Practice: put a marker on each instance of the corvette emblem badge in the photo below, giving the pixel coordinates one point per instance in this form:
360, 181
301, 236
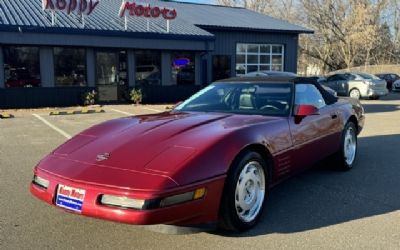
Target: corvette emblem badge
103, 157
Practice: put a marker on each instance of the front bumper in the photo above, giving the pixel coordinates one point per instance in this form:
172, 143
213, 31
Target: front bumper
395, 88
200, 211
376, 92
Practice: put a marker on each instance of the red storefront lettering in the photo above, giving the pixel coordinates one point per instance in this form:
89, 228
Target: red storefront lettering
155, 12
61, 4
147, 11
82, 6
72, 6
48, 4
69, 6
170, 15
139, 10
92, 5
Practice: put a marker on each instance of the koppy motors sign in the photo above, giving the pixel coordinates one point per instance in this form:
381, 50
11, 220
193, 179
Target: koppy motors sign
80, 7
146, 10
86, 7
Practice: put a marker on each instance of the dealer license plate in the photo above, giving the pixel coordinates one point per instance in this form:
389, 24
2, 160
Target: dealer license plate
70, 198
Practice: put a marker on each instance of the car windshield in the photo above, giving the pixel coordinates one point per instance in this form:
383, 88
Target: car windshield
241, 98
368, 76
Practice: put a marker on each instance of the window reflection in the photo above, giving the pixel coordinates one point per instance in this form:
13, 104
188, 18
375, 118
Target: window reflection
70, 66
148, 68
21, 66
183, 68
111, 68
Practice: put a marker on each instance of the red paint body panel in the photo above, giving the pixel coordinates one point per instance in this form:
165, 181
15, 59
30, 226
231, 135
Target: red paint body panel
154, 156
195, 212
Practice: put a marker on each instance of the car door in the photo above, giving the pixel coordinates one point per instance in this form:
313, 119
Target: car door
342, 84
332, 82
317, 136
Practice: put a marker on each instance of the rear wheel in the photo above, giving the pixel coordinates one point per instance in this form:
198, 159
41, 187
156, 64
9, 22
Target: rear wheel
355, 93
246, 188
346, 156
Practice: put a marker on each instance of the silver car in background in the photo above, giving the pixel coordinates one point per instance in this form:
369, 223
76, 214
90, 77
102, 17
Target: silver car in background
357, 85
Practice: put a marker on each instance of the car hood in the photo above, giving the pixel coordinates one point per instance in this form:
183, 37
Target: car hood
152, 143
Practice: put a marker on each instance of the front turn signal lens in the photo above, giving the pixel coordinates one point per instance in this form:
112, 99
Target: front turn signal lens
199, 193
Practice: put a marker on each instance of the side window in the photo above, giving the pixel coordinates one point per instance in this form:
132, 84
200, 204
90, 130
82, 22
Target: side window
349, 77
335, 78
308, 94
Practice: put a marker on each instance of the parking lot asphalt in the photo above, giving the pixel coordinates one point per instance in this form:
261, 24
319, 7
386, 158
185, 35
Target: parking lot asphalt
319, 209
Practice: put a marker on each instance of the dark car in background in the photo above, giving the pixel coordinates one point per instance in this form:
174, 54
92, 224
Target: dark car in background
271, 73
390, 78
357, 85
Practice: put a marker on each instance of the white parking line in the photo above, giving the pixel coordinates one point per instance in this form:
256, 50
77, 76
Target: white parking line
122, 112
66, 135
150, 109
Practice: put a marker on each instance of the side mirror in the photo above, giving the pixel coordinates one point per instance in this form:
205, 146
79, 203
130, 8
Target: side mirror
174, 106
305, 110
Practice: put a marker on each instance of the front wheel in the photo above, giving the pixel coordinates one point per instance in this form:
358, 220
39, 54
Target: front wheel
346, 156
245, 191
355, 93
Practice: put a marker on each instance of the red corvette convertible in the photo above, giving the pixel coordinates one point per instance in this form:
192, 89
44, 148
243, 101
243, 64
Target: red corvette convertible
212, 159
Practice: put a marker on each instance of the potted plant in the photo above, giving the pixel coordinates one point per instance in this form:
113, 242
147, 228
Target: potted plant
136, 96
89, 98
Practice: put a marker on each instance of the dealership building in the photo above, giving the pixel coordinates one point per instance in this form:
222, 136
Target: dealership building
54, 51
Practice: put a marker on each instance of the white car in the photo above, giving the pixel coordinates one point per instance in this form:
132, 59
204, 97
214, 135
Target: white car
357, 85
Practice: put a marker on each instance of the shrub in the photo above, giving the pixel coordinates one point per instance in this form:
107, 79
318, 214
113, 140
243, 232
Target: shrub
89, 98
136, 95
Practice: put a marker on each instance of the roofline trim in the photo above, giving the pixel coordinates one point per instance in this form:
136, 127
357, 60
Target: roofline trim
224, 28
101, 33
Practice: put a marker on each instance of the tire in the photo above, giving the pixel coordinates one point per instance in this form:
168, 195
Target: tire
346, 156
355, 93
248, 176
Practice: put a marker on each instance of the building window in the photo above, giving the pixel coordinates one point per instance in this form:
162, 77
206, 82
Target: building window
259, 57
148, 67
111, 68
221, 67
70, 66
21, 66
183, 68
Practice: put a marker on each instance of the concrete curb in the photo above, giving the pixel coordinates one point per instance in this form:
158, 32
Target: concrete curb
77, 112
6, 116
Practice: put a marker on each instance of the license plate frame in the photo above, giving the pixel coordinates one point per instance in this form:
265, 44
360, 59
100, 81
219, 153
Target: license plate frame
70, 198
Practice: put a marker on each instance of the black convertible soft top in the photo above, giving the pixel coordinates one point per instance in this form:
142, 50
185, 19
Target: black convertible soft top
329, 98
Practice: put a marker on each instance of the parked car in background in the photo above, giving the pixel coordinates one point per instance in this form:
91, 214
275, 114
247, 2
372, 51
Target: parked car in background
396, 85
271, 73
148, 75
318, 79
390, 78
357, 85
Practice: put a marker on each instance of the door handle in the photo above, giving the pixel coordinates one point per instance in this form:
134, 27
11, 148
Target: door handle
334, 116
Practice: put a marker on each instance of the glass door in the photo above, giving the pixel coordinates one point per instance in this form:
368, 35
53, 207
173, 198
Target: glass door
111, 75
